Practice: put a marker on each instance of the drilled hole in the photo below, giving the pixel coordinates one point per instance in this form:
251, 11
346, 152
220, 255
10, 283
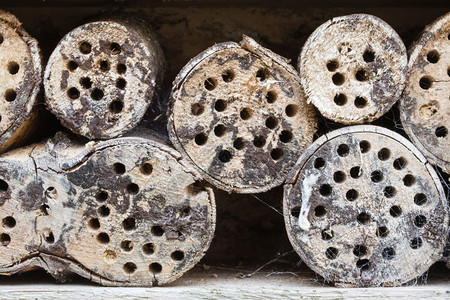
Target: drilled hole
363, 218
210, 84
103, 238
331, 253
101, 196
325, 190
360, 102
71, 65
157, 231
425, 82
338, 79
360, 250
13, 67
362, 75
116, 106
121, 83
119, 168
355, 172
271, 97
369, 56
225, 156
271, 122
104, 66
114, 48
376, 176
121, 68
332, 65
343, 150
295, 212
320, 211
129, 268
327, 234
177, 255
420, 199
5, 239
340, 99
363, 264
276, 153
319, 163
85, 48
433, 56
228, 76
1, 39
146, 168
395, 211
420, 221
416, 243
155, 268
286, 136
104, 211
73, 93
49, 237
382, 232
388, 253
246, 113
339, 176
399, 163
239, 143
220, 105
148, 248
197, 109
97, 94
291, 110
259, 141
9, 222
441, 132
409, 180
351, 195
220, 130
127, 246
364, 146
86, 82
384, 154
10, 95
389, 191
262, 74
94, 223
133, 188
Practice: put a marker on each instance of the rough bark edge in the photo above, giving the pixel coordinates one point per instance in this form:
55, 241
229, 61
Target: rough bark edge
293, 177
392, 33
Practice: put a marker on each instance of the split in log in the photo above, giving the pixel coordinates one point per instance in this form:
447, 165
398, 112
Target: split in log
425, 106
126, 212
102, 76
364, 208
239, 114
353, 68
21, 76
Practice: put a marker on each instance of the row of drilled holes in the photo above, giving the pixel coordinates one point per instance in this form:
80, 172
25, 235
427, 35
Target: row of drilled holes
103, 65
13, 68
228, 76
9, 223
86, 48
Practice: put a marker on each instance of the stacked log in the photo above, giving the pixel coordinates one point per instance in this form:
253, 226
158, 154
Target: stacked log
124, 212
239, 114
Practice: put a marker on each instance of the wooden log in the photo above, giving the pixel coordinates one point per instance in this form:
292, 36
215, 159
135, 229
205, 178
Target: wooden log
425, 106
239, 114
102, 76
21, 76
126, 212
364, 208
353, 68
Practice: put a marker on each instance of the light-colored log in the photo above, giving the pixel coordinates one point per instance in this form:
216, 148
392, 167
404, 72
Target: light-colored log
126, 212
364, 208
102, 76
353, 68
239, 114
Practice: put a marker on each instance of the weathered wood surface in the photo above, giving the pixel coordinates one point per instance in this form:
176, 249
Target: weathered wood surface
21, 76
364, 208
425, 106
239, 114
124, 212
353, 68
102, 76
